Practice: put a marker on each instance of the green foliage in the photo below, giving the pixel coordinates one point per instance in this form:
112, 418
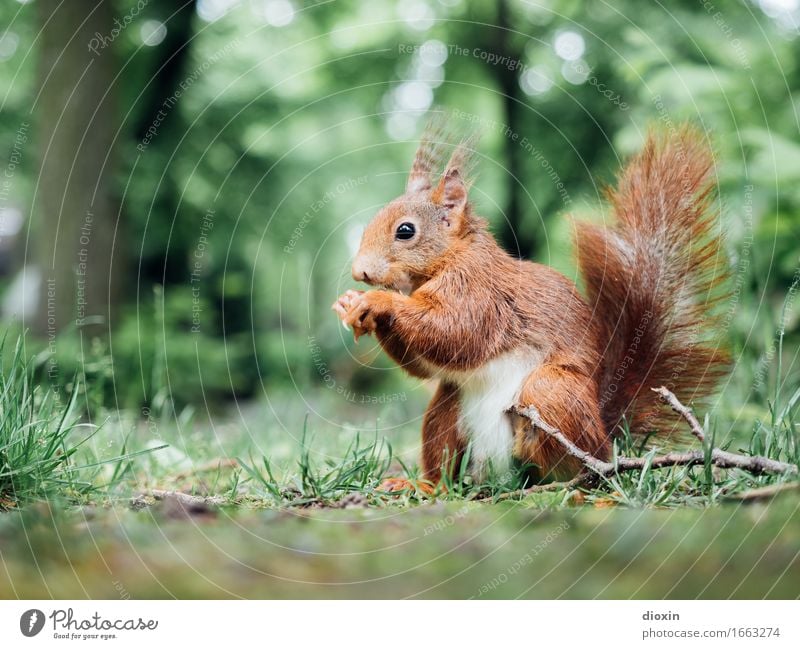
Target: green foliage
285, 139
155, 356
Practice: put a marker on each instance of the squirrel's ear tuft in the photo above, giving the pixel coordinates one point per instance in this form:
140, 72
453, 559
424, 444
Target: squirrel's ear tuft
418, 183
451, 192
437, 138
430, 154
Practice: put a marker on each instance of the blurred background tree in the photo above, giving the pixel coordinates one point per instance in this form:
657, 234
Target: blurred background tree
230, 152
75, 204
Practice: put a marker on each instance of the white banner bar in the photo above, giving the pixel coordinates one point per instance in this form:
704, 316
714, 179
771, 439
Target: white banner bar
400, 624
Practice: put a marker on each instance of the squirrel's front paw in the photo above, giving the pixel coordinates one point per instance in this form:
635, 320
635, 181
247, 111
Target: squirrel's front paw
357, 310
344, 303
354, 312
361, 316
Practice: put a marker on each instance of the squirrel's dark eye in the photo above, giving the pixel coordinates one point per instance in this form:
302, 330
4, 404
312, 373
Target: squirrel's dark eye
405, 231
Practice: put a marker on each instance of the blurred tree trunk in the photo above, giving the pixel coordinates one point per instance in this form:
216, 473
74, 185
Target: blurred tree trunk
514, 238
169, 69
76, 206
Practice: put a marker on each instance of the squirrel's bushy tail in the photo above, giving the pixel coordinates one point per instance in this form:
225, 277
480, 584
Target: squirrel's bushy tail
653, 278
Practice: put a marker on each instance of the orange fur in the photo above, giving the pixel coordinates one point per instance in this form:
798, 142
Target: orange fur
456, 307
441, 444
653, 279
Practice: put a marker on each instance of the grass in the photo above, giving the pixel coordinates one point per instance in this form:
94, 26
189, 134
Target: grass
44, 445
361, 468
363, 465
47, 451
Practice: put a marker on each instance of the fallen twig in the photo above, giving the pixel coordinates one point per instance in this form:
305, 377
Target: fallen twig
683, 411
187, 500
537, 488
598, 466
755, 464
764, 493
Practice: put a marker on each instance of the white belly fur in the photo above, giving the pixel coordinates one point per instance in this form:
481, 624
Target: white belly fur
485, 394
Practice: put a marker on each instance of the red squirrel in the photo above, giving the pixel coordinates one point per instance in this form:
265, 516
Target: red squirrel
499, 332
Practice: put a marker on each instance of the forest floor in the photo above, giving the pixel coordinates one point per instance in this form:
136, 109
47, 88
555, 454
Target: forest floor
236, 507
435, 550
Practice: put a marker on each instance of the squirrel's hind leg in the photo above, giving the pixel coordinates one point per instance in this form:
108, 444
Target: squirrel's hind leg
442, 446
566, 400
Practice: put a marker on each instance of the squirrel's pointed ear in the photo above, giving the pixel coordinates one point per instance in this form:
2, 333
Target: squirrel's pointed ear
451, 193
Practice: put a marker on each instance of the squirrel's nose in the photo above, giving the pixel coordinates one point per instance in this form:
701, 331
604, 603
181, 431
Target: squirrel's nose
359, 272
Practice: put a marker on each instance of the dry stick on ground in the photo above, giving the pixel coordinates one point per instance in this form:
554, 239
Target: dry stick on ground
537, 488
763, 493
683, 411
755, 464
184, 499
